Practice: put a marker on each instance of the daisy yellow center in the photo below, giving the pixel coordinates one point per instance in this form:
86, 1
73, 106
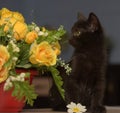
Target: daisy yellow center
76, 109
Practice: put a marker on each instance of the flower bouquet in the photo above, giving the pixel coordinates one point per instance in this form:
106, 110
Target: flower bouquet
27, 46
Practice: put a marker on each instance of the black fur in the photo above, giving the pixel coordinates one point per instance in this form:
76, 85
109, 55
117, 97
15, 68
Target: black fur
86, 83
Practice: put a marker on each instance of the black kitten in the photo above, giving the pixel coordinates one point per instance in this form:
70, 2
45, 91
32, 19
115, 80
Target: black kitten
86, 84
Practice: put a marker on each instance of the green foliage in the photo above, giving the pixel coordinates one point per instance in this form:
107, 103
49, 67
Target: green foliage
23, 60
2, 33
58, 80
18, 57
54, 35
3, 39
23, 90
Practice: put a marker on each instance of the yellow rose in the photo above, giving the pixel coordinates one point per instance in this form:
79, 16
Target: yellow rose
42, 54
1, 22
9, 18
3, 74
31, 36
12, 21
4, 56
18, 16
8, 24
20, 30
5, 13
56, 47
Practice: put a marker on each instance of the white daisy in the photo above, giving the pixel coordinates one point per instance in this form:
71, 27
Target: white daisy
75, 108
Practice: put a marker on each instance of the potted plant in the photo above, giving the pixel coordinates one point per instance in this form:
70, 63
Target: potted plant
25, 50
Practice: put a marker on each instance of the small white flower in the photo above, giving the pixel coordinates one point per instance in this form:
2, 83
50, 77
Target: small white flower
75, 108
14, 58
9, 36
6, 87
16, 49
62, 64
37, 29
22, 79
18, 78
12, 43
8, 80
10, 84
12, 78
40, 33
55, 37
45, 34
22, 75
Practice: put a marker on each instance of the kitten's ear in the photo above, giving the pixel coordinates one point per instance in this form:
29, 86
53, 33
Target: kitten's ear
81, 17
94, 22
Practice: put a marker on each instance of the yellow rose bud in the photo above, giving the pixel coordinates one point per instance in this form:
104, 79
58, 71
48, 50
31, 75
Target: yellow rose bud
32, 53
43, 29
31, 36
20, 30
43, 54
56, 47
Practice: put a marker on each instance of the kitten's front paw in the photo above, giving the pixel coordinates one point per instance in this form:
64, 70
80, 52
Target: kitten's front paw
99, 109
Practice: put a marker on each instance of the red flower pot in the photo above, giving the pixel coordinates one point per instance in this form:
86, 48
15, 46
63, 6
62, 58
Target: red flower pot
8, 103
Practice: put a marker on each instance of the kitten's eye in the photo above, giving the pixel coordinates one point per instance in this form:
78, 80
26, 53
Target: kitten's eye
76, 34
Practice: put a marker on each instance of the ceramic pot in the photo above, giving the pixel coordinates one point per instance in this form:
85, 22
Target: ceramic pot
8, 103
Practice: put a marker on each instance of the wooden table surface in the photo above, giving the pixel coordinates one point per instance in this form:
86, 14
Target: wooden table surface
110, 109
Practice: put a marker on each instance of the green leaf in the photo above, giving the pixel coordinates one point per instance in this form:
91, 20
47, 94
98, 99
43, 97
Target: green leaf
26, 66
24, 90
53, 35
58, 80
24, 53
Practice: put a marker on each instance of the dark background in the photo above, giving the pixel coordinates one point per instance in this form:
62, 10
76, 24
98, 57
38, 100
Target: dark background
64, 12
